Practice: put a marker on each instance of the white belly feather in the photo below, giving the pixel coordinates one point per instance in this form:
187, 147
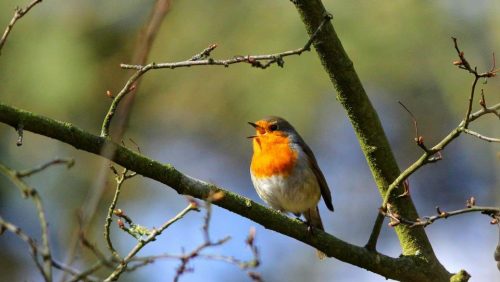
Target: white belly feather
296, 192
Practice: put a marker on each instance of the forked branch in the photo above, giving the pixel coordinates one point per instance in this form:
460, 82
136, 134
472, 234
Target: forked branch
203, 59
433, 154
18, 14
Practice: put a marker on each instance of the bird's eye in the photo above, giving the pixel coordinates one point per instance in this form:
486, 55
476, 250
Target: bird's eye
273, 127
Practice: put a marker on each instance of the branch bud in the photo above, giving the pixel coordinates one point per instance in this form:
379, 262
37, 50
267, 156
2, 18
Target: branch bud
393, 223
251, 236
482, 102
194, 204
121, 224
471, 202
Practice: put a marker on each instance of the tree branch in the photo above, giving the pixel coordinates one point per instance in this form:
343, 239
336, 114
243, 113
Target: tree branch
371, 245
424, 159
253, 60
155, 233
465, 65
396, 219
143, 47
28, 192
429, 153
480, 136
4, 225
367, 126
119, 178
18, 14
25, 173
407, 267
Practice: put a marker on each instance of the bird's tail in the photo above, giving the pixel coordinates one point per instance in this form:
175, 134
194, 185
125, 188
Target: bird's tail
314, 220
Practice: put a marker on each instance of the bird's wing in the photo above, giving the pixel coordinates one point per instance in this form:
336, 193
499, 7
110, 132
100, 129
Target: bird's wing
325, 191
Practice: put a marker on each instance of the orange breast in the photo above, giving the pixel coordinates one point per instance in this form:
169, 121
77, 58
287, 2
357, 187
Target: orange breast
272, 155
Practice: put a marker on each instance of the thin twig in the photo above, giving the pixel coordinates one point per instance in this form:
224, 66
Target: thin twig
418, 139
196, 253
119, 178
34, 251
495, 110
142, 50
424, 159
154, 233
396, 219
25, 173
85, 275
137, 262
28, 192
253, 60
429, 155
204, 54
471, 100
4, 225
480, 136
18, 14
464, 64
98, 254
413, 118
146, 39
77, 275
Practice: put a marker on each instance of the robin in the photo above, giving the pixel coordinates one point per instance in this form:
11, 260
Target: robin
285, 172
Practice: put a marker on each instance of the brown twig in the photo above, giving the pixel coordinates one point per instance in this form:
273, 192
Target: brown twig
146, 38
427, 156
18, 14
433, 154
419, 140
396, 219
25, 173
424, 159
464, 64
145, 41
131, 262
253, 60
196, 253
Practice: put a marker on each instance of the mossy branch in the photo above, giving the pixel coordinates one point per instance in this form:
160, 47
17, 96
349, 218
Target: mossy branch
365, 121
405, 268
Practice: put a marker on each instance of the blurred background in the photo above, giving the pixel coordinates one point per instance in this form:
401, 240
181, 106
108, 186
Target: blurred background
63, 56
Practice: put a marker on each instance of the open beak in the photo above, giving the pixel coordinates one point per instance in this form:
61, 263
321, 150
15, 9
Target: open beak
256, 126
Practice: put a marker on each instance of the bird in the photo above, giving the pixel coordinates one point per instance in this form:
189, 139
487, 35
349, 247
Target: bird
285, 173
